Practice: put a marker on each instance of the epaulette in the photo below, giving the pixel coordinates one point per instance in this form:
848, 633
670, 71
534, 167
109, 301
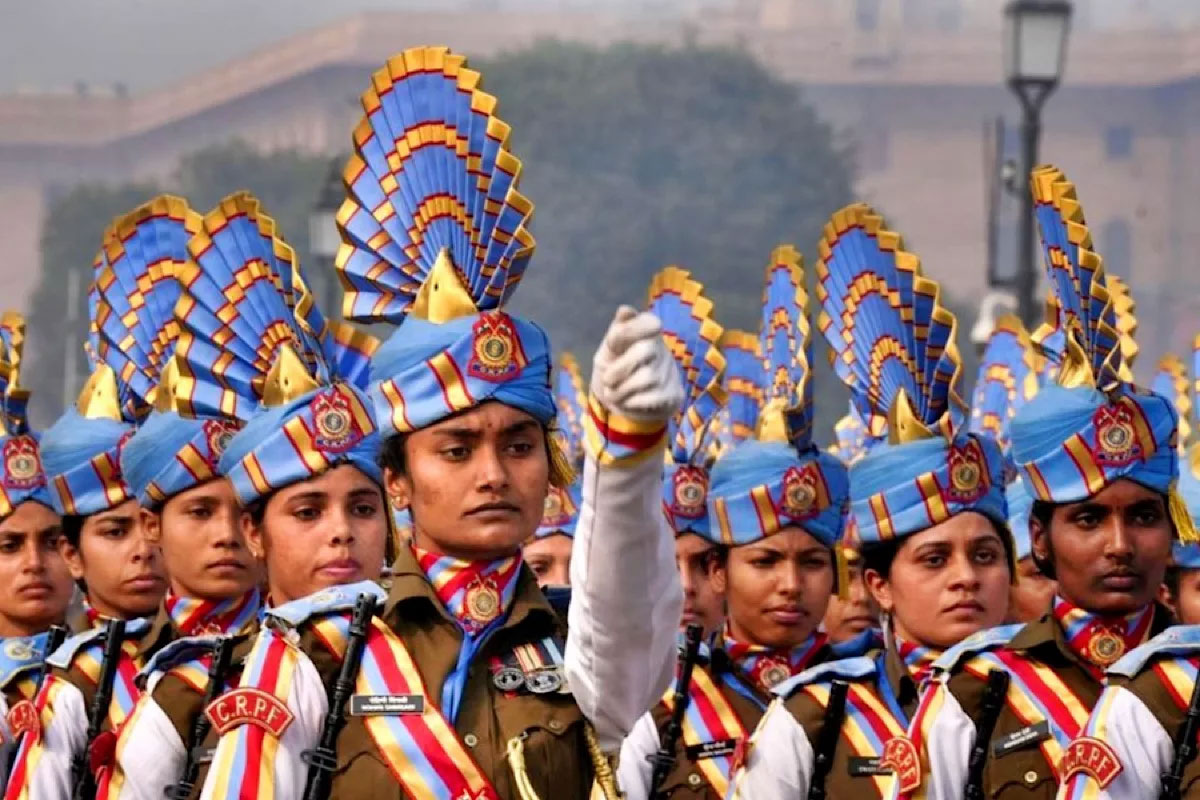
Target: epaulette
19, 654
870, 639
976, 643
177, 652
66, 652
850, 668
1180, 640
334, 600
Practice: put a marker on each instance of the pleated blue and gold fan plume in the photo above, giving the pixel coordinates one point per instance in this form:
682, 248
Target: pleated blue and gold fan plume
432, 196
743, 386
134, 292
13, 398
571, 400
1082, 312
250, 332
1007, 379
693, 338
850, 437
785, 342
1125, 311
1171, 381
893, 341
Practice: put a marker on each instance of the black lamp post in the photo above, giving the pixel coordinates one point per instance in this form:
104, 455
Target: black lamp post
1035, 47
324, 240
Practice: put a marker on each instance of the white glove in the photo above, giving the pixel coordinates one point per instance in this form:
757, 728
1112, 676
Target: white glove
633, 373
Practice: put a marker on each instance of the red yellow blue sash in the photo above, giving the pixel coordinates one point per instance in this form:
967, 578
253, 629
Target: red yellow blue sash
710, 718
1178, 676
421, 749
1037, 693
868, 723
29, 752
243, 766
193, 616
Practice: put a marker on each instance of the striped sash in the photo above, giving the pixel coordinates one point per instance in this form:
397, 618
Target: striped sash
31, 747
868, 724
710, 718
1036, 693
421, 748
1178, 676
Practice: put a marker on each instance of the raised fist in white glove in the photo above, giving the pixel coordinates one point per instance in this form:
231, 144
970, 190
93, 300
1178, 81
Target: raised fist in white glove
633, 373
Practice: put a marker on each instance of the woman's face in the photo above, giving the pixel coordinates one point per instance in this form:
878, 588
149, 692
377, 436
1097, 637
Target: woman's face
946, 582
202, 543
37, 585
845, 619
703, 601
1030, 596
322, 532
1110, 552
121, 566
475, 483
777, 588
550, 559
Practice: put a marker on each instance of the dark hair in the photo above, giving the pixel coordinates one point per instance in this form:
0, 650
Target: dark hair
257, 509
72, 528
1043, 512
1171, 580
391, 455
880, 555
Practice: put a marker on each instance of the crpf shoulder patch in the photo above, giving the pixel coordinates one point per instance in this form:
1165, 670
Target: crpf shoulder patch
900, 756
23, 718
1093, 758
249, 706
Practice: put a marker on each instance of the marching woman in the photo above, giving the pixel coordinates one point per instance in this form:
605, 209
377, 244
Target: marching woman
774, 513
118, 567
1098, 455
1145, 722
36, 584
172, 464
548, 552
462, 683
929, 509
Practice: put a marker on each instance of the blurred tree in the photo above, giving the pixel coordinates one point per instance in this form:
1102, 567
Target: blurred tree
638, 157
287, 183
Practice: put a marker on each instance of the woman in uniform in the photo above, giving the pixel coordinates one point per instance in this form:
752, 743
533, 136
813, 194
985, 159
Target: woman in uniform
929, 509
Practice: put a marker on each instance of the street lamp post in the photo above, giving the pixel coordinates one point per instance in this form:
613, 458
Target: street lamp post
324, 240
1035, 46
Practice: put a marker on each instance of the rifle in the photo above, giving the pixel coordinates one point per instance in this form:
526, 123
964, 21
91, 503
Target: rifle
217, 670
827, 739
663, 760
322, 759
84, 780
1185, 747
989, 713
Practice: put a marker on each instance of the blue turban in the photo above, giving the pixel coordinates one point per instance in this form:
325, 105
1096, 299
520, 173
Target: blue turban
1070, 443
426, 372
81, 456
170, 454
22, 477
1019, 506
901, 489
759, 488
302, 439
561, 513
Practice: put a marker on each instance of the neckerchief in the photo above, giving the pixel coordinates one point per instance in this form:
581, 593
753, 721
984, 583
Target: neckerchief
768, 666
95, 618
477, 594
919, 660
193, 616
1099, 640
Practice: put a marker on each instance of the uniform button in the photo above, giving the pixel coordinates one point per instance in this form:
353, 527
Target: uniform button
1031, 777
555, 725
694, 780
470, 740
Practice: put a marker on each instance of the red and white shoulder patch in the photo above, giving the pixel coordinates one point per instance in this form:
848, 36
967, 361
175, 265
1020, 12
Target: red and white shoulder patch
247, 706
1092, 757
23, 717
900, 756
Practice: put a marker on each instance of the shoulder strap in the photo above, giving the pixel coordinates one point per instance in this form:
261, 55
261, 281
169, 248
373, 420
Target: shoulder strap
1181, 640
975, 644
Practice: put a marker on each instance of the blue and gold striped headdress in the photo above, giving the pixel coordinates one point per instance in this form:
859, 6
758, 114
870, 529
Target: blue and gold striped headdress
1092, 427
781, 479
561, 513
850, 437
893, 343
128, 341
435, 239
1171, 381
21, 475
255, 350
134, 333
743, 387
1007, 379
692, 337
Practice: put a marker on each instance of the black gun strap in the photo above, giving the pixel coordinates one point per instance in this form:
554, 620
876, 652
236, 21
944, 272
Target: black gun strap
827, 739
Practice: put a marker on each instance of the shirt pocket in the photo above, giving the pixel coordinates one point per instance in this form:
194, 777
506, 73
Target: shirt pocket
550, 729
1021, 775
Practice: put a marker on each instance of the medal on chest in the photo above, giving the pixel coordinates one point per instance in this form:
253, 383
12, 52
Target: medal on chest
482, 602
771, 672
1105, 647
